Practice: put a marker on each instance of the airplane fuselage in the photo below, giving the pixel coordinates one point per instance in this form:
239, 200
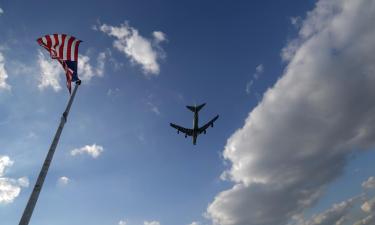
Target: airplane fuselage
195, 126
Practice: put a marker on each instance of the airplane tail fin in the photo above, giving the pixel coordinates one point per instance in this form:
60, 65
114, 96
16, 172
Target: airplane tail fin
196, 108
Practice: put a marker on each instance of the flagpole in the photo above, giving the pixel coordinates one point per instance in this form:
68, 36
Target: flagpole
27, 213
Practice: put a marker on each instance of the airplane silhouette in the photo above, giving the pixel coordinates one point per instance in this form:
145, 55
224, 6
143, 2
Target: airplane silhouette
196, 129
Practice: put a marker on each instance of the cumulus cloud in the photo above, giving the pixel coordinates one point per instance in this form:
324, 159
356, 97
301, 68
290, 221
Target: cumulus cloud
3, 73
137, 48
52, 72
151, 223
86, 71
297, 140
92, 150
369, 183
9, 188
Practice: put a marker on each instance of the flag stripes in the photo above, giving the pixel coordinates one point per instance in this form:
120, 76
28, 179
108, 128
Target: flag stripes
61, 46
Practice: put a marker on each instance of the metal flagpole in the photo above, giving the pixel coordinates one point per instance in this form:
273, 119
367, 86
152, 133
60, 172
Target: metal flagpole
27, 213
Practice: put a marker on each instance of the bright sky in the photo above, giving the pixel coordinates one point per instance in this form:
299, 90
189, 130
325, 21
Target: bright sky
293, 83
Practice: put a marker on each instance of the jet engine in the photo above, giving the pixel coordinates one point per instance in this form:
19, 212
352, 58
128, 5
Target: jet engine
185, 135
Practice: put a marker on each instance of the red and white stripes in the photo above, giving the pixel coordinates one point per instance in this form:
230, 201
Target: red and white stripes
61, 46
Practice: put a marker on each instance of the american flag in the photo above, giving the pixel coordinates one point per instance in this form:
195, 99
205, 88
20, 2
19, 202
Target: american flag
63, 48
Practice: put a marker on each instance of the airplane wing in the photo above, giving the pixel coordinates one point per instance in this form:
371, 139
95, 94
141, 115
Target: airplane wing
207, 125
186, 131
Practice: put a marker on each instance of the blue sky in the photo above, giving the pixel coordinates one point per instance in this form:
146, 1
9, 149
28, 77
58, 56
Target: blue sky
292, 82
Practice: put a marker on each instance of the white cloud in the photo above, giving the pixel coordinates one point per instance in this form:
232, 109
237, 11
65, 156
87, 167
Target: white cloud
1, 11
151, 223
296, 21
249, 85
368, 206
297, 140
86, 71
122, 222
258, 71
366, 221
195, 223
3, 74
139, 49
92, 150
9, 188
51, 71
101, 63
23, 182
336, 215
4, 163
369, 183
63, 181
153, 108
159, 36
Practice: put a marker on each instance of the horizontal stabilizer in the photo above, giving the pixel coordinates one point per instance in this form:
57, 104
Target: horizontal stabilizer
195, 108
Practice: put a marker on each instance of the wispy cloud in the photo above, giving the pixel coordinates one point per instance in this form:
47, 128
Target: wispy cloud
92, 150
137, 48
3, 74
63, 181
122, 222
151, 223
153, 108
258, 72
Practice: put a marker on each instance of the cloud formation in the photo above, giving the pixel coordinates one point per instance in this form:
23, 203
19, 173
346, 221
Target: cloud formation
368, 206
92, 150
366, 221
122, 222
137, 48
151, 223
52, 72
336, 215
258, 72
296, 141
369, 183
3, 73
86, 71
9, 188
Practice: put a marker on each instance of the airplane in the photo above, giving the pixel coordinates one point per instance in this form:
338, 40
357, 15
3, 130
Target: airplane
196, 129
